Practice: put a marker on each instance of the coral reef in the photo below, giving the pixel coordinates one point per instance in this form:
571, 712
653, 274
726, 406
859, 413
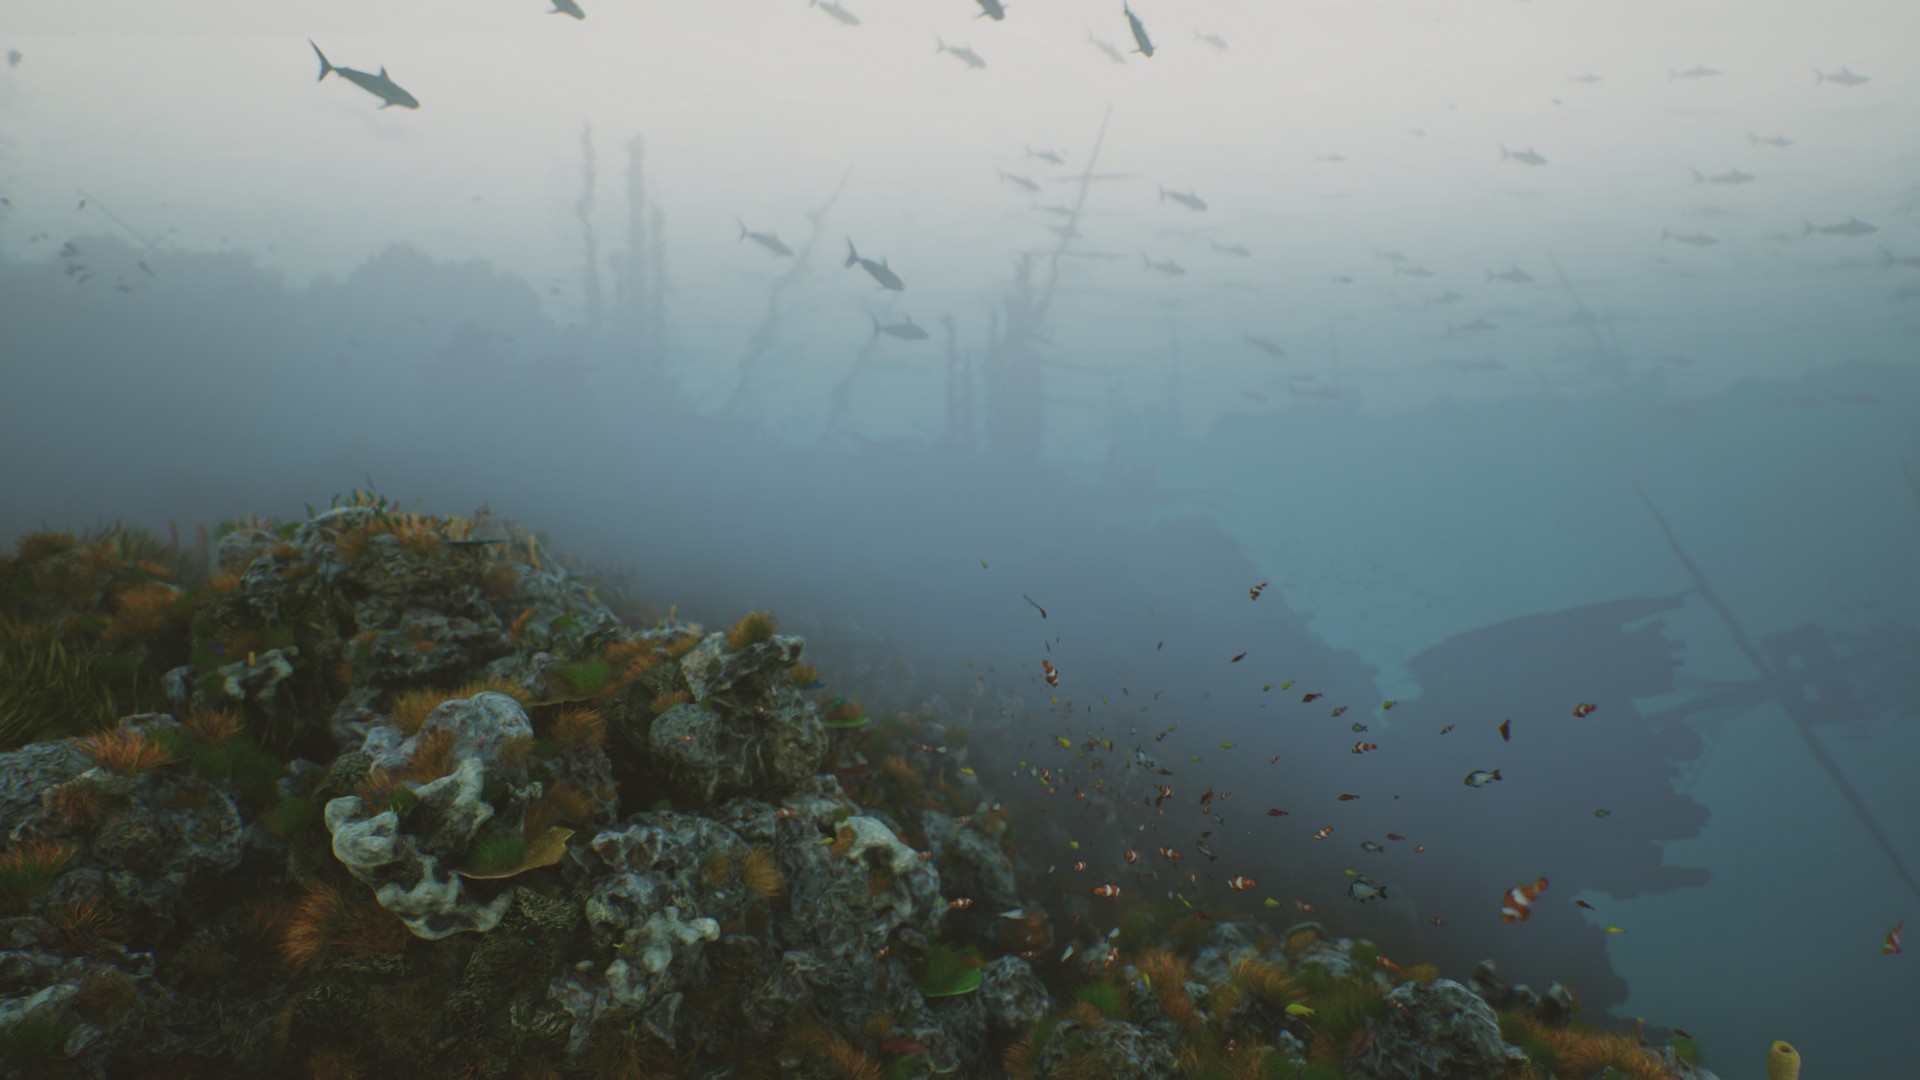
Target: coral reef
416, 797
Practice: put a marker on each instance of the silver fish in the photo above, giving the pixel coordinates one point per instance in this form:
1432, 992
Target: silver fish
840, 14
1524, 157
1185, 198
1140, 39
905, 331
567, 7
1846, 78
379, 86
1371, 847
992, 9
1698, 239
1481, 778
1853, 226
965, 53
770, 241
880, 271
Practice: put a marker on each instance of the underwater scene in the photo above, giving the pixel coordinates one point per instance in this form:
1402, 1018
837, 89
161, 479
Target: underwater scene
892, 539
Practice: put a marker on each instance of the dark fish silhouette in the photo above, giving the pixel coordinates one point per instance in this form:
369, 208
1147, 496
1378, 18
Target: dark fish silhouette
379, 86
1845, 78
1853, 226
1698, 239
1140, 39
964, 52
840, 14
905, 331
1185, 198
770, 241
567, 7
992, 9
879, 271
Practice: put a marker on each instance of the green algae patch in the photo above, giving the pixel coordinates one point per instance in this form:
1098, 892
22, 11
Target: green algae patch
947, 971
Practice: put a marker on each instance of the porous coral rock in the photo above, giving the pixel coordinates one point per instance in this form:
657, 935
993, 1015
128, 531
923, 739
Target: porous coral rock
1114, 1049
1013, 997
1441, 1029
712, 670
411, 870
971, 862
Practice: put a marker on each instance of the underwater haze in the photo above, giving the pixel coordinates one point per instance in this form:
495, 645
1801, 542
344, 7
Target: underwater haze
1433, 447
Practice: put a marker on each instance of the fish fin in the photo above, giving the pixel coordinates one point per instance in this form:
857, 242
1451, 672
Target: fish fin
853, 257
743, 229
325, 67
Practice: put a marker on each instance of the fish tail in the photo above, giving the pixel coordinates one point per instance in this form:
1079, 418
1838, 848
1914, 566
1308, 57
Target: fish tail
853, 257
325, 67
876, 327
743, 229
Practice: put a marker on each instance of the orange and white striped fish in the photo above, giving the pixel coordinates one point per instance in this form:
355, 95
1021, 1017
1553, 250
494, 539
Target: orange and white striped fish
1363, 746
1306, 907
1131, 856
1891, 946
1585, 708
1241, 883
961, 904
1106, 890
1169, 853
1323, 832
1052, 673
1517, 905
1080, 866
1254, 593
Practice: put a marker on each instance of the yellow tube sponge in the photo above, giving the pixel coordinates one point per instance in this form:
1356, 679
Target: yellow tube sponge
1783, 1062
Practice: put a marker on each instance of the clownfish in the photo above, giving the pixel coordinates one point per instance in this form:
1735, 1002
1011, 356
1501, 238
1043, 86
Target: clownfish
1106, 890
1323, 832
1254, 593
1584, 709
1240, 883
1517, 905
1891, 946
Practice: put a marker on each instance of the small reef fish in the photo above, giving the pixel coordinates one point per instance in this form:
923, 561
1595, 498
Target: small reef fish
379, 86
1584, 709
1170, 854
1237, 657
1131, 856
1241, 883
1297, 1009
1035, 603
1394, 836
1106, 890
1358, 727
1517, 905
961, 904
1364, 747
1370, 846
1053, 679
1506, 729
1891, 946
1080, 866
1016, 914
1308, 699
1388, 704
1323, 832
1254, 593
1288, 685
1339, 711
1165, 266
1347, 796
1583, 904
1276, 812
1603, 812
1363, 890
1306, 907
1446, 729
1140, 39
1615, 930
1437, 920
1481, 778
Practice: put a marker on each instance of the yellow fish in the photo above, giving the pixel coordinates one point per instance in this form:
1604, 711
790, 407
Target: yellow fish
823, 841
1228, 745
965, 771
1053, 699
1266, 688
1615, 930
1297, 1009
1065, 743
1074, 844
1271, 902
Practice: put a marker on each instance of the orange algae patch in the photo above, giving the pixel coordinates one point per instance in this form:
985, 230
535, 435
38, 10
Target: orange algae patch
125, 751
